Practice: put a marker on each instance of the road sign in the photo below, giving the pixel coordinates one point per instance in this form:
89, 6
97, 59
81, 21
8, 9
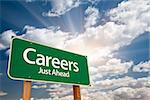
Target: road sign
36, 62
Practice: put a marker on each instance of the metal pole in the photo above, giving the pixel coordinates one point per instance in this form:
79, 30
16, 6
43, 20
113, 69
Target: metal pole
76, 92
26, 90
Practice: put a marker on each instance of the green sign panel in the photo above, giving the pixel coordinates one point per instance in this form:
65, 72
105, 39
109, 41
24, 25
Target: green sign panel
36, 62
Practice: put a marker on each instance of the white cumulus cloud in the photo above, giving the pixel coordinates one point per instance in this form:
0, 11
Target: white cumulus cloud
2, 93
92, 16
127, 93
124, 93
39, 86
111, 68
60, 7
5, 39
133, 14
142, 67
46, 36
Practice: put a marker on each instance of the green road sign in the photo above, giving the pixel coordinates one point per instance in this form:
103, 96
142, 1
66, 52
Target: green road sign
35, 62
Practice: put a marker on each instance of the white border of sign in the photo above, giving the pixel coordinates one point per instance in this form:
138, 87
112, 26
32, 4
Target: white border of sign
23, 79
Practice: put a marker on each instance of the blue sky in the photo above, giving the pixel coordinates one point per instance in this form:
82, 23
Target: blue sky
114, 34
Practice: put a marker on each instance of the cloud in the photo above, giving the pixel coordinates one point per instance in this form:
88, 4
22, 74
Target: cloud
124, 93
5, 39
60, 7
113, 84
142, 67
127, 93
92, 16
112, 67
28, 1
1, 74
2, 93
46, 36
133, 15
58, 91
94, 1
125, 88
39, 86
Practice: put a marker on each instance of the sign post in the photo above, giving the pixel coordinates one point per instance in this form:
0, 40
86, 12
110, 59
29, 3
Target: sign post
30, 61
76, 92
26, 90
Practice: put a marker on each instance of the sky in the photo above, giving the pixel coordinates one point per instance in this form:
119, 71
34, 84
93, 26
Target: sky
114, 34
